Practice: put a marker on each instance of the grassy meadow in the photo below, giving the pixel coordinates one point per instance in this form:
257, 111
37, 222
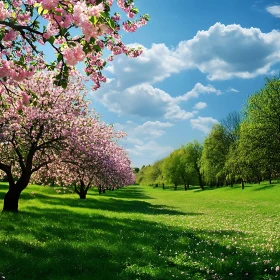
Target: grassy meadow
142, 233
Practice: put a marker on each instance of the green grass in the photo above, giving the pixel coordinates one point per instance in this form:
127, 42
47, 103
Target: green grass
143, 233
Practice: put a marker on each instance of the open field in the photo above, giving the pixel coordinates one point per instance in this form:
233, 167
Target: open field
143, 233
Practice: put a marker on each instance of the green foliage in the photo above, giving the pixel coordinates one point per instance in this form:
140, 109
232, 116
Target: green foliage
260, 131
143, 233
240, 148
215, 149
173, 169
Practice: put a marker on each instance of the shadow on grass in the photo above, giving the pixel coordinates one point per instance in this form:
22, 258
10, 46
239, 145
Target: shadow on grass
105, 203
130, 193
116, 205
266, 187
62, 244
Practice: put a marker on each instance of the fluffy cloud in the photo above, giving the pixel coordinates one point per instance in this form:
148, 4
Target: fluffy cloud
152, 129
200, 105
221, 52
274, 10
203, 123
141, 140
147, 130
196, 91
149, 150
154, 65
228, 51
148, 102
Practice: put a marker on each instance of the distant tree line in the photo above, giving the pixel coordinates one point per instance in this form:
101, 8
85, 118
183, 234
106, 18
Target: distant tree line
243, 147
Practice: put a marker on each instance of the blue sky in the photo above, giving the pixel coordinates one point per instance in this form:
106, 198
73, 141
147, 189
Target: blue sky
201, 61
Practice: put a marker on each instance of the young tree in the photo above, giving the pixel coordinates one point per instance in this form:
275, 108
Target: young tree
171, 169
215, 149
193, 153
76, 31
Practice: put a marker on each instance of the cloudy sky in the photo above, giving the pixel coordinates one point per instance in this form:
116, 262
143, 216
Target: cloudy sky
201, 61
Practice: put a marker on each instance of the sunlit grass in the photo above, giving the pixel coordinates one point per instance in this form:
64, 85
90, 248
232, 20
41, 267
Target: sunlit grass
143, 233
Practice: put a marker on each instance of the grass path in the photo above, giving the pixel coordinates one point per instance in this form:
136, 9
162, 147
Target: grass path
143, 233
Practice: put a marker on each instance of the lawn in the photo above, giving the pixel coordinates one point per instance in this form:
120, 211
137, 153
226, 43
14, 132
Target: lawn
143, 233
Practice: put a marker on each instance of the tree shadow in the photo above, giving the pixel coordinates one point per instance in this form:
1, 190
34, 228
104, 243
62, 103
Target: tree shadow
266, 187
132, 193
115, 205
64, 244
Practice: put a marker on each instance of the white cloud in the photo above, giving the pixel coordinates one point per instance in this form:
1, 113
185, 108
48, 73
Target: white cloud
152, 129
200, 105
148, 102
203, 123
274, 10
148, 130
228, 51
110, 68
221, 52
196, 91
141, 140
150, 149
232, 90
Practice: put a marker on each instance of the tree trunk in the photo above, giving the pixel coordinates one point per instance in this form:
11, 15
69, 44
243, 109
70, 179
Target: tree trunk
162, 185
99, 189
12, 196
242, 184
11, 200
200, 180
83, 190
104, 190
83, 195
175, 187
186, 187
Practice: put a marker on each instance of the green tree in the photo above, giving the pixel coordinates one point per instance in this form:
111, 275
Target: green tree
215, 149
171, 169
193, 153
260, 130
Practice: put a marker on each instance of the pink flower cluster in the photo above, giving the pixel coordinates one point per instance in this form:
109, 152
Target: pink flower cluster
8, 68
4, 13
74, 55
98, 30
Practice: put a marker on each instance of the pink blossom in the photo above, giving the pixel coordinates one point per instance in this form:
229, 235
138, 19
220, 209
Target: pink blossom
10, 36
74, 55
4, 13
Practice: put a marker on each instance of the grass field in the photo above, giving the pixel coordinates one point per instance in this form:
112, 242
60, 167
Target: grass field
143, 233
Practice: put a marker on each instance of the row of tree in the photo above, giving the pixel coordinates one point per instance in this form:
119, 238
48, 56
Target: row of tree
243, 147
48, 133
